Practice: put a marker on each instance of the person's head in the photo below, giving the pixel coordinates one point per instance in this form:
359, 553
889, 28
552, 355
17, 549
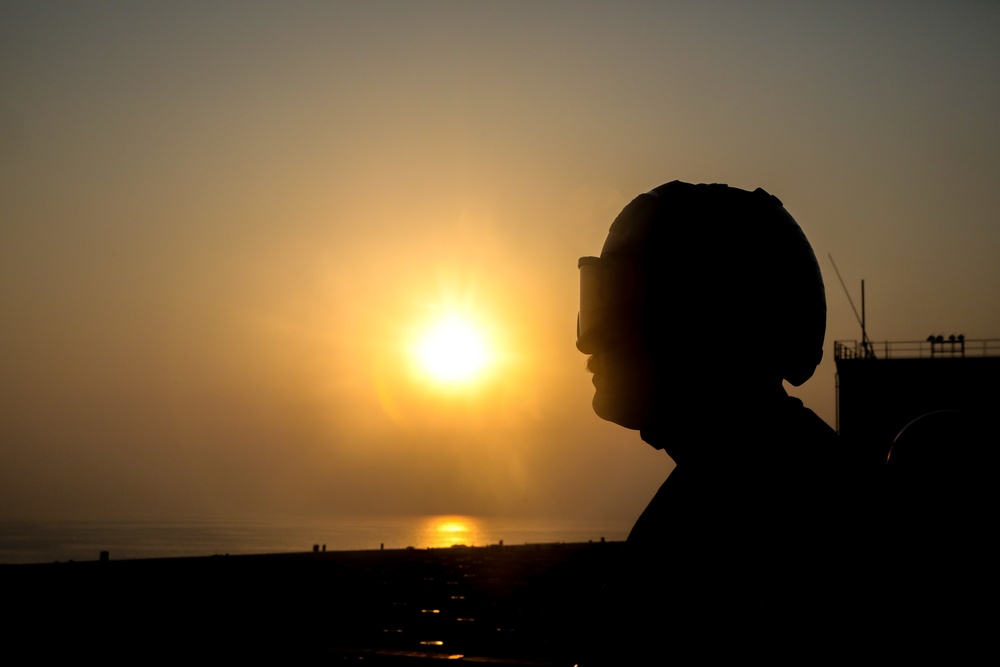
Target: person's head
698, 286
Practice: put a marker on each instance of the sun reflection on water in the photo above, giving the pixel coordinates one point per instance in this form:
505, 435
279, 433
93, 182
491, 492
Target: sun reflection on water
452, 529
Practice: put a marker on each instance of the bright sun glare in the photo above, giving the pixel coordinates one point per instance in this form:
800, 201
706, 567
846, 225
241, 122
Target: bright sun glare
452, 351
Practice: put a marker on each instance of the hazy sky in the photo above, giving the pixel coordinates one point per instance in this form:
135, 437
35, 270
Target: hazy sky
222, 225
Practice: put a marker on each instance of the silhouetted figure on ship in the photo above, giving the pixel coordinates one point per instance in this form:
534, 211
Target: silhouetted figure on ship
734, 554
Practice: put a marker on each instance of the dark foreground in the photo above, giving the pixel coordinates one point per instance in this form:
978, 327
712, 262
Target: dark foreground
500, 605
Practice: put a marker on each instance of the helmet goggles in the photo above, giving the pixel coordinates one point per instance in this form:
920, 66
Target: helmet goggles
610, 290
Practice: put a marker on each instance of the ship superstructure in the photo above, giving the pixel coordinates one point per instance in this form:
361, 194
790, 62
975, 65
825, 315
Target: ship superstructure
881, 387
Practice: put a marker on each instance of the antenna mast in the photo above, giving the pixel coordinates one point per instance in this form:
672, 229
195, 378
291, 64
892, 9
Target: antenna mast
866, 347
864, 330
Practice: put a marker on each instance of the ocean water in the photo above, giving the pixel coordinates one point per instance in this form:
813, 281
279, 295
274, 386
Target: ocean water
52, 541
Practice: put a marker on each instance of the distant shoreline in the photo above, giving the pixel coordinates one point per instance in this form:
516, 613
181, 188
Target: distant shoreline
323, 555
23, 542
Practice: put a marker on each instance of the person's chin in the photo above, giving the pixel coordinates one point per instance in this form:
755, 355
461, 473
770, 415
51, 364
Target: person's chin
616, 413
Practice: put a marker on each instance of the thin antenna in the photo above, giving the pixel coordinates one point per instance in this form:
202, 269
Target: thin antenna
864, 331
866, 346
849, 299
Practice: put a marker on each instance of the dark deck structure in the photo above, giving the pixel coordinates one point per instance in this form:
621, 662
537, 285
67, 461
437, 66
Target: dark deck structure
881, 387
507, 606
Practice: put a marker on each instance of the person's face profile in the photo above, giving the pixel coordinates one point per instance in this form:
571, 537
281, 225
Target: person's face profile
624, 381
612, 330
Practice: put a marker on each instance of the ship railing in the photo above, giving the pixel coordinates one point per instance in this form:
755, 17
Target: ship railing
934, 347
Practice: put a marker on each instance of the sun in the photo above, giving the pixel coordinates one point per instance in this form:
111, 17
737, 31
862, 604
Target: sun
452, 350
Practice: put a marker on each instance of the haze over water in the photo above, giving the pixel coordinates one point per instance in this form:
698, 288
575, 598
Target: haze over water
227, 229
51, 541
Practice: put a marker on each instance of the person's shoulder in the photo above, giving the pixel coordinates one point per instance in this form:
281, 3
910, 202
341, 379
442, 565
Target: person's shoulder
814, 445
808, 421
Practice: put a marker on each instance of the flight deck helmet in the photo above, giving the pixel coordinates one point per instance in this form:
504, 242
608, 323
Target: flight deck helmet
710, 263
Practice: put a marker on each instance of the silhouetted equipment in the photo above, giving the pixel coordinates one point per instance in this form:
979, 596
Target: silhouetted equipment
883, 387
866, 346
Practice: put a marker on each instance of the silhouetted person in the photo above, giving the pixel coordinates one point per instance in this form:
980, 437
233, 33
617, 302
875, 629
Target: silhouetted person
741, 551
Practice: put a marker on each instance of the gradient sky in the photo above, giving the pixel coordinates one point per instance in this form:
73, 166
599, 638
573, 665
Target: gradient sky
222, 223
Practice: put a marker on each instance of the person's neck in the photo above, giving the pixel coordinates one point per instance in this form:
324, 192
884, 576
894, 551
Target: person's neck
705, 425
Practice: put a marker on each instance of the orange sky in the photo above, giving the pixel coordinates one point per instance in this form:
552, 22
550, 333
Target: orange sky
221, 225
